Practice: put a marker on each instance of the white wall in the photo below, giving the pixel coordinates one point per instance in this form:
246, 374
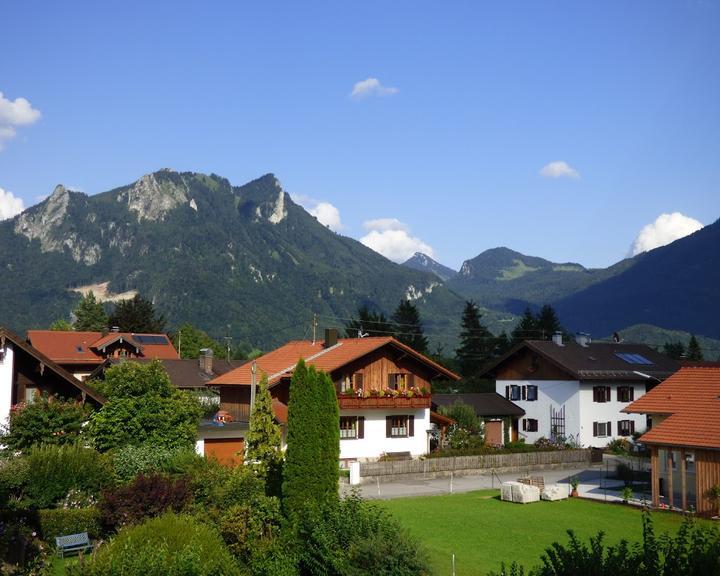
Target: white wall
6, 383
551, 393
375, 443
606, 412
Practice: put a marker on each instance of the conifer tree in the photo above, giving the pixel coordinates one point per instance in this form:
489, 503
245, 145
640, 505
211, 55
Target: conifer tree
547, 323
310, 472
476, 342
674, 350
263, 437
137, 315
694, 351
368, 322
527, 328
408, 327
90, 315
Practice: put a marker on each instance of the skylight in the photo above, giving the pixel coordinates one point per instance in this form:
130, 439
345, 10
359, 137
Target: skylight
633, 358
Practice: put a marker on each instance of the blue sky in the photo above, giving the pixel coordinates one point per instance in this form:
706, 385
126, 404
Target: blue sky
460, 106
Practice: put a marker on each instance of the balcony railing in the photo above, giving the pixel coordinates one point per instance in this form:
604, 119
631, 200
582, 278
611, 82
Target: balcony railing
347, 402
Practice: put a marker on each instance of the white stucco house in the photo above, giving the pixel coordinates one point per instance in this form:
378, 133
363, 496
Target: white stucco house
577, 390
383, 389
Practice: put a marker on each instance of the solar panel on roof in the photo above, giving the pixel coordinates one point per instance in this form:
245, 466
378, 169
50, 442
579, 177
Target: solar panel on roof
633, 358
145, 339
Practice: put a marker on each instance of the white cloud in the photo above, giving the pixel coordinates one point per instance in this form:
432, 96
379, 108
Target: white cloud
325, 212
392, 239
371, 87
559, 169
13, 113
10, 205
666, 228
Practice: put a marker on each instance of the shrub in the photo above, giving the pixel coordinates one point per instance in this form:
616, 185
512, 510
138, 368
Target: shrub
170, 544
55, 470
464, 416
249, 529
14, 475
242, 486
619, 446
60, 522
47, 420
130, 461
145, 497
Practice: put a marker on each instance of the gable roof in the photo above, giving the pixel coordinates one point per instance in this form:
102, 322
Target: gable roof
597, 360
70, 347
485, 403
281, 362
183, 373
49, 364
691, 399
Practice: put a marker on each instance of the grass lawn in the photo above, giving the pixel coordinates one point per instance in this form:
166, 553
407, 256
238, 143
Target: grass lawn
482, 531
59, 565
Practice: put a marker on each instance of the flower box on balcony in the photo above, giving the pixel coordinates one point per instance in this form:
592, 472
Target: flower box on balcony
350, 402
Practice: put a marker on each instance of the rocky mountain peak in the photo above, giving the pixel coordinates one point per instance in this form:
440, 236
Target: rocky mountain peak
154, 195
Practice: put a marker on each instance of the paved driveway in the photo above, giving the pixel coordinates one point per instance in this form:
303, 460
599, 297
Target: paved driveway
594, 483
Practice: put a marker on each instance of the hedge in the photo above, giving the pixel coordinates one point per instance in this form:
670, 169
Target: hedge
64, 521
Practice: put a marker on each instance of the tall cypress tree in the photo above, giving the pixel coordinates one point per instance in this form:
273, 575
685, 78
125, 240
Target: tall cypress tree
408, 328
90, 315
310, 473
476, 342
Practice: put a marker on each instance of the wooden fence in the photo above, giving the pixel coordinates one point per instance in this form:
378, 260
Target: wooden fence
486, 462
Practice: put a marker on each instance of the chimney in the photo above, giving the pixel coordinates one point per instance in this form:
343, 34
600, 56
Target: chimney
558, 339
205, 361
583, 339
331, 337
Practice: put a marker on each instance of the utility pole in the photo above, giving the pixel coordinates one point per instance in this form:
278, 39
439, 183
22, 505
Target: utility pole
252, 388
314, 327
180, 342
228, 338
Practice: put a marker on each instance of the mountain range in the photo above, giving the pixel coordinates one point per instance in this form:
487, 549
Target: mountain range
246, 260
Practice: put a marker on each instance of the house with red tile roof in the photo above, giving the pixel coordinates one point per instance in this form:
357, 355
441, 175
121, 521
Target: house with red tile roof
82, 352
26, 372
577, 389
684, 438
383, 388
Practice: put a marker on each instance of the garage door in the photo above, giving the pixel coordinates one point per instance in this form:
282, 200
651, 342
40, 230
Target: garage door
227, 451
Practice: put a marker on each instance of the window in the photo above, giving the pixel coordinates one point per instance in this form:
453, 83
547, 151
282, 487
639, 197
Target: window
352, 427
512, 392
349, 383
602, 429
345, 384
601, 393
30, 394
625, 427
401, 381
399, 426
625, 393
532, 392
530, 425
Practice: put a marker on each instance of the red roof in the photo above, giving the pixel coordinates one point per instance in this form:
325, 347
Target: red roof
70, 347
691, 400
281, 362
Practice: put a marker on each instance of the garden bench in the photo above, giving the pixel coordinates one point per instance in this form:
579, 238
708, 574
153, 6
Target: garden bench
73, 543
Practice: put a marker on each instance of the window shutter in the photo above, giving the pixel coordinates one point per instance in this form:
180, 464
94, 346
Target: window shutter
524, 392
595, 394
361, 427
609, 429
390, 381
608, 391
619, 393
524, 424
411, 380
507, 392
358, 380
388, 426
632, 427
411, 425
595, 429
620, 427
631, 390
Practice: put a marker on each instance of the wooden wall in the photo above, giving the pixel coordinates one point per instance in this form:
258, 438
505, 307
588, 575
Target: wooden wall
375, 368
707, 469
236, 401
528, 365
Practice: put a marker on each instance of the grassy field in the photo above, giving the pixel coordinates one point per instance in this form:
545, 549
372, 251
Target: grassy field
482, 531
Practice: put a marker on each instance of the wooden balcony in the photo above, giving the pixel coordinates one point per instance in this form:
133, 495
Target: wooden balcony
354, 403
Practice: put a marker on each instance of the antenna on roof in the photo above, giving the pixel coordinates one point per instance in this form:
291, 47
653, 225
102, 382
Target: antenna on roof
227, 339
360, 333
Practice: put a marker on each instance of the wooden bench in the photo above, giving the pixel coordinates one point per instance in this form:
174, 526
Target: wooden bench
73, 543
